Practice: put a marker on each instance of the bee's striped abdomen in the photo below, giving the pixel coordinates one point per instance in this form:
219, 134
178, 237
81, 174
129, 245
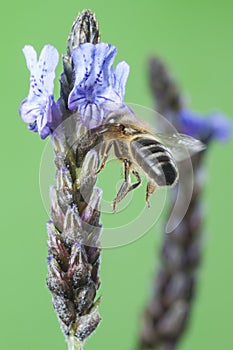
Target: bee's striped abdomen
155, 160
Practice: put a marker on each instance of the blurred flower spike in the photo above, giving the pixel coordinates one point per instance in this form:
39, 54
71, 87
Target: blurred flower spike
39, 109
98, 86
215, 126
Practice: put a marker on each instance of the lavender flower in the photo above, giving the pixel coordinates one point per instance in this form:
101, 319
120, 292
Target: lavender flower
39, 109
97, 85
214, 126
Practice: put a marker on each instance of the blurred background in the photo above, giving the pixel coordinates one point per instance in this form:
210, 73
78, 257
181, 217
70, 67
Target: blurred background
195, 40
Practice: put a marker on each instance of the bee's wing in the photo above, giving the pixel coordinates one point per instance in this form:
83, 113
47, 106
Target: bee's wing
181, 146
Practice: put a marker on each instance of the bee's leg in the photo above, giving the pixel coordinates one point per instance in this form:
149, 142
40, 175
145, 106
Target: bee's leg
125, 187
151, 186
104, 152
136, 184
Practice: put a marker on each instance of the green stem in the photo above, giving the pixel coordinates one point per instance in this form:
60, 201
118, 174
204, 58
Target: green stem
74, 343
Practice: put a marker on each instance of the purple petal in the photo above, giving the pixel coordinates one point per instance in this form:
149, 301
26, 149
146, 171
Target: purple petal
31, 57
29, 110
108, 95
104, 58
43, 128
221, 127
33, 126
76, 98
82, 57
39, 105
43, 71
190, 123
47, 64
205, 128
92, 64
93, 70
96, 82
121, 76
91, 115
49, 111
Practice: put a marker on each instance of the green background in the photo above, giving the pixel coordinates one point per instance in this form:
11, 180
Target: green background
195, 39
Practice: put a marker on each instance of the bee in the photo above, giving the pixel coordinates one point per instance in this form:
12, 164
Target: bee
138, 148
